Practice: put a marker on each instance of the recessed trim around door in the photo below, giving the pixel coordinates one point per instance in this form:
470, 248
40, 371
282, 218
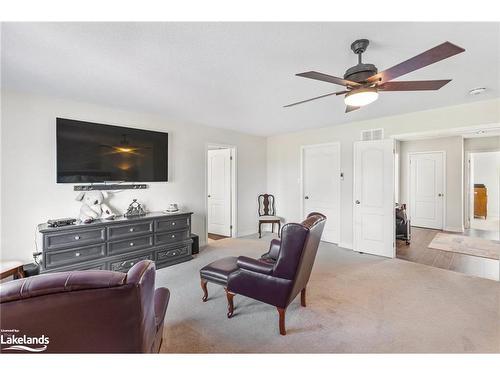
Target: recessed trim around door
439, 196
331, 208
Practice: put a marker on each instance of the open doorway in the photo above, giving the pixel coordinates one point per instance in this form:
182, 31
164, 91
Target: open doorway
484, 194
220, 192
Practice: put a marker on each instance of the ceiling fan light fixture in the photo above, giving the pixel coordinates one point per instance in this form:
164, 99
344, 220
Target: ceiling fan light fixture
361, 97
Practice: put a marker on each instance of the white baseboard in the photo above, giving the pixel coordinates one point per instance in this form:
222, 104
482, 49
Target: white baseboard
346, 245
246, 232
454, 229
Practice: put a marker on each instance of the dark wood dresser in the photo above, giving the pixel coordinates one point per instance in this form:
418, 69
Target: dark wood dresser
480, 201
118, 244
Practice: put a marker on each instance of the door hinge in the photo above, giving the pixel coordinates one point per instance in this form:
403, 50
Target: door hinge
230, 158
230, 227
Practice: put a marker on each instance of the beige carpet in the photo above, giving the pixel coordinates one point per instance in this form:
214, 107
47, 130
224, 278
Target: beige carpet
357, 303
475, 246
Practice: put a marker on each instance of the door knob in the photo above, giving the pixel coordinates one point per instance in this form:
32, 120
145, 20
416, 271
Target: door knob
440, 194
306, 197
357, 202
209, 195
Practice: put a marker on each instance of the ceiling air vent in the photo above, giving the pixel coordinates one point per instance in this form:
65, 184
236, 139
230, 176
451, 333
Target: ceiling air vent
372, 134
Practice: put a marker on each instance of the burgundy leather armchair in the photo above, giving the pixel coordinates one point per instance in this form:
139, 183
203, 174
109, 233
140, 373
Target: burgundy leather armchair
280, 274
87, 311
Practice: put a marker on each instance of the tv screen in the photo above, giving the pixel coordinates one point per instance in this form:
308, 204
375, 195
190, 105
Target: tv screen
90, 152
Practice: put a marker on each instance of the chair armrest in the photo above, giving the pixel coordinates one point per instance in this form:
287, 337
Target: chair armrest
255, 265
274, 248
162, 296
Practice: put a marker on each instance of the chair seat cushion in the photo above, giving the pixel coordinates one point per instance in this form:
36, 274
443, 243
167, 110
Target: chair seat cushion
219, 271
268, 217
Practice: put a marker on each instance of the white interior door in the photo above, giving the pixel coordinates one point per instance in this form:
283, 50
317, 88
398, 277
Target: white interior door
374, 197
321, 186
427, 189
219, 192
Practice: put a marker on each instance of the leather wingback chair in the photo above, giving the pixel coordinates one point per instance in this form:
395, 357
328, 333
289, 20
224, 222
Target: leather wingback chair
87, 311
279, 275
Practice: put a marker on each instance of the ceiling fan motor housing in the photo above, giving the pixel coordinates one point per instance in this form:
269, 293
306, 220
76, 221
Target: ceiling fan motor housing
360, 73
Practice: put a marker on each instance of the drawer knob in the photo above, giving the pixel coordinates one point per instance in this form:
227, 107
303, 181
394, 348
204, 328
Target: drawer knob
131, 230
131, 263
131, 244
77, 237
173, 223
174, 253
77, 254
173, 235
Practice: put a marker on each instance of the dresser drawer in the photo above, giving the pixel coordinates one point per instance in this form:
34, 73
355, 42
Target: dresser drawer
129, 230
80, 267
172, 253
172, 223
123, 265
74, 238
171, 237
130, 244
72, 256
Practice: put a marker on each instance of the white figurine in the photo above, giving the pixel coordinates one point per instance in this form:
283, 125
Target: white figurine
93, 206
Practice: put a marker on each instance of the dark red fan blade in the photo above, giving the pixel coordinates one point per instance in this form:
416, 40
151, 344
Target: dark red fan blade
426, 58
328, 78
413, 85
318, 97
350, 108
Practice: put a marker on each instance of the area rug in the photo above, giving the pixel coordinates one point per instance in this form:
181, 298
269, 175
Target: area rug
455, 243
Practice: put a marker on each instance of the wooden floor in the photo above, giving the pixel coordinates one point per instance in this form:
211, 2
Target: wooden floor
419, 252
216, 237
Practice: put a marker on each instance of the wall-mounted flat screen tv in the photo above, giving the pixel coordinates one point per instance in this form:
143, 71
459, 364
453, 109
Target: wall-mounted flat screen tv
90, 152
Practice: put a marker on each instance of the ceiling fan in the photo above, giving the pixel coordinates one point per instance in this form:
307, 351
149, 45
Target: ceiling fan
363, 81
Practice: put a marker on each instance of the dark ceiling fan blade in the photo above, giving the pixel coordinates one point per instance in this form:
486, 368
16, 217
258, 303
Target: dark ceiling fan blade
413, 85
317, 97
328, 78
438, 53
350, 108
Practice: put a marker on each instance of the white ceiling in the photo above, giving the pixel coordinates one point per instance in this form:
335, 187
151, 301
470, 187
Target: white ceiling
239, 75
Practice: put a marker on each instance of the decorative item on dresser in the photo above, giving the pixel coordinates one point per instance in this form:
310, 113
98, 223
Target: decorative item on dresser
119, 244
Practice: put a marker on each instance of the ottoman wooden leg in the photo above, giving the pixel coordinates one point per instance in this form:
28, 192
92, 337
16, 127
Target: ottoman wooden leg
230, 304
205, 290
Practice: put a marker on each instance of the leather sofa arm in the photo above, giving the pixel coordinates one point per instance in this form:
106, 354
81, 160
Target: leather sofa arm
59, 282
162, 296
255, 265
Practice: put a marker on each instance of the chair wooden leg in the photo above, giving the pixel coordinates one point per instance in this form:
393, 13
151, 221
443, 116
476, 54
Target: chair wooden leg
20, 272
272, 227
281, 313
279, 228
205, 290
303, 297
230, 303
260, 230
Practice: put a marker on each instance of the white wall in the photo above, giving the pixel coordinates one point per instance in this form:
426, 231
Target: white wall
283, 151
487, 171
30, 194
453, 147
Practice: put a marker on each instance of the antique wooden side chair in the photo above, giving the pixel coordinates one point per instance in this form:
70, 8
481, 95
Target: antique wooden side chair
267, 213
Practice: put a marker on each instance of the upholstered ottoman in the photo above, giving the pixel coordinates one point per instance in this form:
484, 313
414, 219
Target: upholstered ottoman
218, 272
